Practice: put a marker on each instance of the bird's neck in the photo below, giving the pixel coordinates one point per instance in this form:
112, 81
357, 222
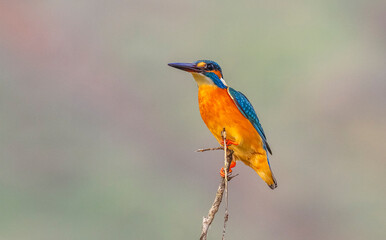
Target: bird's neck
205, 80
202, 80
209, 94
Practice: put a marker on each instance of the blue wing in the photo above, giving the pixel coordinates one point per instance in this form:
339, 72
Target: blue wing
247, 110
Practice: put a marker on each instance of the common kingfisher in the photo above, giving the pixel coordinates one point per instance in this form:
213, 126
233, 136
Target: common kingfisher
224, 107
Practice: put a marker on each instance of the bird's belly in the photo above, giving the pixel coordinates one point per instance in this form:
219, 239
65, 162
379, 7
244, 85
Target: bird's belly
219, 111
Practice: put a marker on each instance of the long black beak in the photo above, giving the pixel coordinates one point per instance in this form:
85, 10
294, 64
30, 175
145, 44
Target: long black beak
189, 67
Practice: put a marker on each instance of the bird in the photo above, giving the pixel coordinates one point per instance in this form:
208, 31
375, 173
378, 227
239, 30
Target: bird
222, 107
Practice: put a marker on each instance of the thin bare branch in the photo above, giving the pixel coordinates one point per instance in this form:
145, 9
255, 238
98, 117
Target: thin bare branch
207, 221
209, 149
227, 161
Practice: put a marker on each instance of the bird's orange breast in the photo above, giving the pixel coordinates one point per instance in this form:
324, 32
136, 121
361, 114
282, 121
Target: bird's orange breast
219, 111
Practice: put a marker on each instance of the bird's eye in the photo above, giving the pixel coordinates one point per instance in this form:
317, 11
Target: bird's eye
209, 67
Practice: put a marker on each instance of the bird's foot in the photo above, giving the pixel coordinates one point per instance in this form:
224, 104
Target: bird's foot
229, 143
232, 165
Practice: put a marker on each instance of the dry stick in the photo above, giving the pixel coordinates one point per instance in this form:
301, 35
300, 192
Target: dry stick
207, 221
226, 167
209, 149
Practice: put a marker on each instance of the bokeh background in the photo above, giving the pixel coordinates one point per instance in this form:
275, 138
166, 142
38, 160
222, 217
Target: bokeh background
97, 133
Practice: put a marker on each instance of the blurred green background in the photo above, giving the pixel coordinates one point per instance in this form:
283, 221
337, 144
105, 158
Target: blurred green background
97, 133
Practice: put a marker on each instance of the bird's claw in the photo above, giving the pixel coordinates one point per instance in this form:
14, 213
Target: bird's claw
229, 143
232, 165
222, 173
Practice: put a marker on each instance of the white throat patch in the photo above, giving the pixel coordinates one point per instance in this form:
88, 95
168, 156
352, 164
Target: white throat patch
201, 79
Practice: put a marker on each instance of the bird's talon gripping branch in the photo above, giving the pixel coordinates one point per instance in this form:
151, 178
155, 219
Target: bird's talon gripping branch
222, 173
232, 165
229, 143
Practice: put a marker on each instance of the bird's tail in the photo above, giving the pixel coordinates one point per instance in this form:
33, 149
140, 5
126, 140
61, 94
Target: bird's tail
273, 185
268, 177
260, 164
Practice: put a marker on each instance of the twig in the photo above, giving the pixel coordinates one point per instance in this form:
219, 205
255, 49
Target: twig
212, 211
207, 221
209, 149
226, 167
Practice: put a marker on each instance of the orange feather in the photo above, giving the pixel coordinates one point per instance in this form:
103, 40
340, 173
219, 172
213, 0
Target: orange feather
219, 111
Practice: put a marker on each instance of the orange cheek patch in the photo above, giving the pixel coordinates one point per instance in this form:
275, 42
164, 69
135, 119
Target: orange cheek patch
218, 73
201, 64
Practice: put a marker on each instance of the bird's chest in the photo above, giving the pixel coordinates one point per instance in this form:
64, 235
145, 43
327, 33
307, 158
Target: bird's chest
218, 112
217, 109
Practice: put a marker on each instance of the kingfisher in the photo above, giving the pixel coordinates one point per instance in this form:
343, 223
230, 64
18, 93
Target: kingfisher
223, 107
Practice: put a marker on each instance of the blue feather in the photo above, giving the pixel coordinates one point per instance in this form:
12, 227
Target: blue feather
247, 110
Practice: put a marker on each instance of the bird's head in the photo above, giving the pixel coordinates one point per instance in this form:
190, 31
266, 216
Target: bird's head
204, 72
